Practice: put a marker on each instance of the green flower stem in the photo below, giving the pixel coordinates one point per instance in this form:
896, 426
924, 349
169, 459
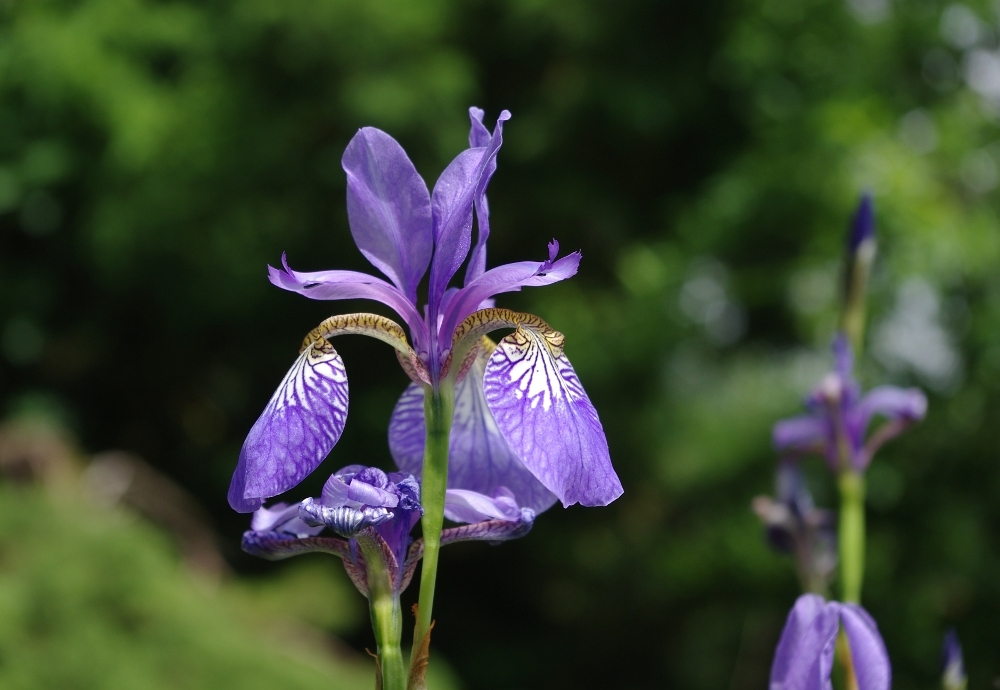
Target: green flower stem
852, 534
387, 618
439, 408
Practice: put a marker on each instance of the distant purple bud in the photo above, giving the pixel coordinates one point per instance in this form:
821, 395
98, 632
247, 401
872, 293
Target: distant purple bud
953, 676
863, 225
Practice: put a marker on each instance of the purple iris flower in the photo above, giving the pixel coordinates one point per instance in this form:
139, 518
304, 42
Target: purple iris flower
364, 503
803, 659
522, 421
796, 526
837, 423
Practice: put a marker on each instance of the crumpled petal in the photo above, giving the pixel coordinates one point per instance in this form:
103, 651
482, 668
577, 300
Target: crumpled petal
481, 460
389, 208
803, 659
451, 202
545, 415
282, 518
461, 505
367, 494
871, 660
344, 520
507, 278
892, 403
299, 427
804, 433
334, 285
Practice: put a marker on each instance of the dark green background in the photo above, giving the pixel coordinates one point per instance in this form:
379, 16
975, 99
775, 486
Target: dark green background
705, 156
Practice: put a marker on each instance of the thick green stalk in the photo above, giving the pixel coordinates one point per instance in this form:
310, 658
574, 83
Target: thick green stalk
439, 408
852, 534
387, 618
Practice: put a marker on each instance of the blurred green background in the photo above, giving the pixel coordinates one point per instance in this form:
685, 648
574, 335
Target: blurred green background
156, 155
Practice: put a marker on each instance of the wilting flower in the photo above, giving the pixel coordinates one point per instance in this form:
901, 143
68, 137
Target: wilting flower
796, 526
374, 512
953, 676
521, 419
803, 659
837, 424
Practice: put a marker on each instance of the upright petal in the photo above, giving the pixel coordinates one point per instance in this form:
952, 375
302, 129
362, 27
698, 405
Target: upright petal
803, 658
507, 278
893, 403
479, 136
388, 208
481, 460
334, 285
299, 427
545, 415
871, 660
452, 202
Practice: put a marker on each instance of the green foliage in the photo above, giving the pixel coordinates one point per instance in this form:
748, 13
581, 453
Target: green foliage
90, 599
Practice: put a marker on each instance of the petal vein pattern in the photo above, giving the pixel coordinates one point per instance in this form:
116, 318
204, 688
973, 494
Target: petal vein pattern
545, 415
481, 459
299, 427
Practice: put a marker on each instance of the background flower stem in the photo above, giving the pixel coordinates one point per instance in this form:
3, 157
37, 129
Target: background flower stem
852, 534
439, 406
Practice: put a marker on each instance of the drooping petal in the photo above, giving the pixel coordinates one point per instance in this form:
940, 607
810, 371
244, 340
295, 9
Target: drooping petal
275, 546
892, 403
507, 278
389, 208
452, 201
461, 505
334, 285
299, 427
493, 531
871, 660
545, 415
805, 433
803, 658
481, 460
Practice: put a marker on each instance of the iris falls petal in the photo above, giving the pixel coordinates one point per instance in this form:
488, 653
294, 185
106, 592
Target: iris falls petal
481, 460
546, 417
299, 427
388, 208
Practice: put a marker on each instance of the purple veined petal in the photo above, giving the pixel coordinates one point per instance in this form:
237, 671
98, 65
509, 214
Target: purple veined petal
493, 531
506, 278
334, 285
389, 208
282, 518
451, 202
275, 546
871, 660
893, 403
803, 659
299, 427
545, 415
481, 460
461, 505
478, 133
805, 433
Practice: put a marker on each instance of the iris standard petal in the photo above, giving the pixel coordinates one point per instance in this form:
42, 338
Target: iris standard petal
299, 427
481, 460
452, 202
334, 285
871, 660
389, 208
803, 658
545, 415
506, 278
461, 505
805, 433
479, 136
